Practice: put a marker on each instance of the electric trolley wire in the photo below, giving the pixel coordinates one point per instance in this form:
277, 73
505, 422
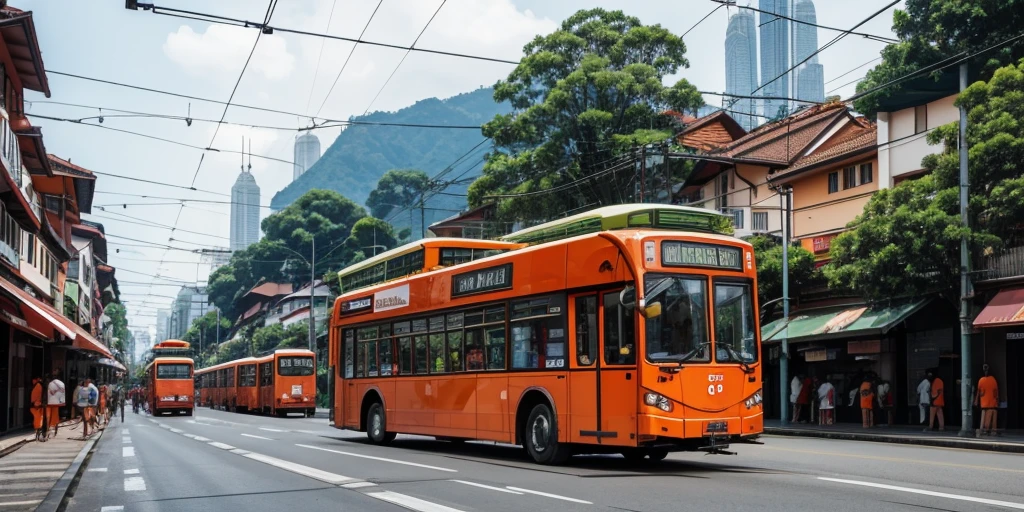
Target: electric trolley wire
171, 185
706, 16
349, 57
854, 69
778, 16
320, 56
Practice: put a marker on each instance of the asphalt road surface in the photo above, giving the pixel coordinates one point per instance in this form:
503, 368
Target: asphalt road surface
225, 461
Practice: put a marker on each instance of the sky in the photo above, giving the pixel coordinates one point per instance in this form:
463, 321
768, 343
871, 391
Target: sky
294, 73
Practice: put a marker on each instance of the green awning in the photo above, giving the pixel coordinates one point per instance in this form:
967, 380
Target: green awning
840, 322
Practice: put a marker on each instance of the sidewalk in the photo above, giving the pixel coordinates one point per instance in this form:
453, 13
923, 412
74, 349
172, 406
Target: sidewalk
37, 475
1009, 441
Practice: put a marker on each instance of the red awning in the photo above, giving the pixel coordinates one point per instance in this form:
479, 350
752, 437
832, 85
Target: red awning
1006, 308
85, 341
39, 315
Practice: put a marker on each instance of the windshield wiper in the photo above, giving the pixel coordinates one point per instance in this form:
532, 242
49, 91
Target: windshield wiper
682, 358
735, 356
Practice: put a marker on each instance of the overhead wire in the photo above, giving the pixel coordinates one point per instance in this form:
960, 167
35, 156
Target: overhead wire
320, 56
779, 16
706, 16
347, 58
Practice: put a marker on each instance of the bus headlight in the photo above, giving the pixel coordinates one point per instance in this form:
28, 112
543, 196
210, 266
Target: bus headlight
659, 401
754, 400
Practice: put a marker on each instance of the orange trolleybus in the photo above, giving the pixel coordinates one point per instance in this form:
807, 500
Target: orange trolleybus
628, 329
169, 379
278, 383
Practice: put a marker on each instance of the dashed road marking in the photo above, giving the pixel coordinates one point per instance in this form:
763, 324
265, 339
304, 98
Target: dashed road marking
382, 459
222, 446
314, 473
97, 470
411, 503
128, 451
482, 486
239, 451
271, 429
131, 471
115, 508
126, 440
201, 439
548, 495
986, 501
134, 483
357, 485
258, 437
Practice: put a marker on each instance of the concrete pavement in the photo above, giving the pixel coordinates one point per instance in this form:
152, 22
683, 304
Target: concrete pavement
1007, 442
230, 461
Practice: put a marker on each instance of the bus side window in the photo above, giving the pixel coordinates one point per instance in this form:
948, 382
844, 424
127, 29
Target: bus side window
437, 355
619, 340
371, 359
405, 355
361, 360
455, 351
385, 356
420, 358
474, 350
495, 344
586, 330
350, 348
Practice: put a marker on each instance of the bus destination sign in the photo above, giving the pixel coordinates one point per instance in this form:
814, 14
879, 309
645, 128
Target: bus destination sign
483, 280
687, 254
356, 305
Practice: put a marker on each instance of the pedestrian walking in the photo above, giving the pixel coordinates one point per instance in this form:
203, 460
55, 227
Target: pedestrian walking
826, 403
795, 388
924, 398
38, 408
886, 401
987, 399
82, 399
937, 402
867, 402
56, 398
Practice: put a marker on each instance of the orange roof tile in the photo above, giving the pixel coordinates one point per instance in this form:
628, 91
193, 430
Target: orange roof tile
849, 142
711, 132
782, 141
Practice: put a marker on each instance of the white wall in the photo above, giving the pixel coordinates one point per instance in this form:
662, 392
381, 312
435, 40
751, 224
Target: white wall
900, 149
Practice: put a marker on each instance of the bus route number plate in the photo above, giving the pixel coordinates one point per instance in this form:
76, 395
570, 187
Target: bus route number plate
297, 390
716, 427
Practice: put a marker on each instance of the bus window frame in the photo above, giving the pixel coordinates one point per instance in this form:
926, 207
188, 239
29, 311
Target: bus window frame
742, 281
622, 313
706, 279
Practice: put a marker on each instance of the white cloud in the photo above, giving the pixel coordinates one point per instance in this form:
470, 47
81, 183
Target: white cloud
223, 48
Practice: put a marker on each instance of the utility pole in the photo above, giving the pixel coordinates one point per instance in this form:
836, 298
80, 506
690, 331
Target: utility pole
423, 218
966, 421
784, 195
643, 173
312, 288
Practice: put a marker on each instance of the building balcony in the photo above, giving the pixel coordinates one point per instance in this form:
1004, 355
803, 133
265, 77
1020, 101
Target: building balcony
1006, 264
10, 151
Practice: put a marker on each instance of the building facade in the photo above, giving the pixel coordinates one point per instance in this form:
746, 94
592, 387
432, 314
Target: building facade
245, 211
774, 37
191, 303
307, 152
163, 319
741, 67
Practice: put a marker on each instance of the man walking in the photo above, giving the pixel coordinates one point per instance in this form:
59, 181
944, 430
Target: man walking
938, 401
987, 399
56, 398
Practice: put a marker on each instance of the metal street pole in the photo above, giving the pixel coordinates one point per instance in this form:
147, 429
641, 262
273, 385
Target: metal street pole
784, 357
312, 313
966, 421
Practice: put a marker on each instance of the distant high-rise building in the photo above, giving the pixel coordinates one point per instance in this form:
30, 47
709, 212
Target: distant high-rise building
774, 54
163, 318
245, 211
809, 77
741, 67
142, 342
190, 304
307, 152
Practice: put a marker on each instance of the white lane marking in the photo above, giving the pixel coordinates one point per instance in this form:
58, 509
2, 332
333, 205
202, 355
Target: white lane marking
410, 502
548, 495
19, 503
117, 508
482, 486
131, 471
239, 451
220, 445
127, 451
986, 501
306, 432
314, 473
134, 483
382, 459
126, 440
271, 429
175, 430
190, 436
357, 485
258, 437
124, 433
97, 470
201, 439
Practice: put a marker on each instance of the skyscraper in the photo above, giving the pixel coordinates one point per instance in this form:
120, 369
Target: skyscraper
245, 211
307, 152
809, 77
774, 54
741, 66
163, 318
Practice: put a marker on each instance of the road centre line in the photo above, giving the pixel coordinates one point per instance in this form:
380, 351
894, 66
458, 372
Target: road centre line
115, 508
314, 473
271, 429
222, 446
134, 483
895, 459
548, 495
131, 471
201, 439
382, 459
410, 502
986, 501
357, 485
127, 451
97, 470
482, 486
125, 432
257, 437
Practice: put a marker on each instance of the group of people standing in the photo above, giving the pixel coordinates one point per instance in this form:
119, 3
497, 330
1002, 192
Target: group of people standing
95, 405
931, 400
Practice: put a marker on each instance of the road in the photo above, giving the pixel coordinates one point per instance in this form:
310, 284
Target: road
224, 461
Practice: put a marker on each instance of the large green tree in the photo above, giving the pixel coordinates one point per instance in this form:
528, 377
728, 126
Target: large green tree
119, 324
931, 31
401, 187
575, 92
768, 253
907, 241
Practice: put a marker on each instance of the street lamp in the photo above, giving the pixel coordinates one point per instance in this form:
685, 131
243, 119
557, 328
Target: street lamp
312, 281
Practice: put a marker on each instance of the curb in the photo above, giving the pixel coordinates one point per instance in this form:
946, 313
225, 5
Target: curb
940, 443
13, 447
55, 498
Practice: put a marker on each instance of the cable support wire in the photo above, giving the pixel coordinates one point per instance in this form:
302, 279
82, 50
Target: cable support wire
347, 58
778, 16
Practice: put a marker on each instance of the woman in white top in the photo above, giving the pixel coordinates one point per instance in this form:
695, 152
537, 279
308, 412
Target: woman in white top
826, 401
924, 394
795, 387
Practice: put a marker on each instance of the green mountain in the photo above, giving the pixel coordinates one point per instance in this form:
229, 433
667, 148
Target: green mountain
361, 154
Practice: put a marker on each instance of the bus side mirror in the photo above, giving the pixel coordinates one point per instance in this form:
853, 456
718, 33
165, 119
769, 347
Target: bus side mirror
627, 297
653, 310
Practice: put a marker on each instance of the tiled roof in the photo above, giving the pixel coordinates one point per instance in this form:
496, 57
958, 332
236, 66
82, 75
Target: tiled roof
849, 141
782, 141
271, 289
70, 168
711, 132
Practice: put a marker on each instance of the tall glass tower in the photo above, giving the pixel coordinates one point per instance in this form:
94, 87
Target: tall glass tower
741, 66
809, 77
774, 54
245, 211
307, 152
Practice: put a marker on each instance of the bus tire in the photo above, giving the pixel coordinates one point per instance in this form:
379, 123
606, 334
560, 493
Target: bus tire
541, 437
376, 425
188, 412
634, 455
657, 455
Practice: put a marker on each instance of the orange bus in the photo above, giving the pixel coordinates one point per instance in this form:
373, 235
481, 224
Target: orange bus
278, 383
629, 329
169, 384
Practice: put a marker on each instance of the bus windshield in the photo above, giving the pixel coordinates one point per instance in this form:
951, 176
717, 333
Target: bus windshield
300, 366
679, 334
734, 324
173, 371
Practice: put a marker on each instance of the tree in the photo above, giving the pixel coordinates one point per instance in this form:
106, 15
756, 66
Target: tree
265, 260
931, 31
768, 253
907, 241
119, 326
204, 330
397, 187
599, 76
371, 236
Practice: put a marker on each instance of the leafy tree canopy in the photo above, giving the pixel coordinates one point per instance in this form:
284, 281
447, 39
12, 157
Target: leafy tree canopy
933, 30
601, 75
371, 236
204, 331
119, 322
768, 253
907, 241
399, 187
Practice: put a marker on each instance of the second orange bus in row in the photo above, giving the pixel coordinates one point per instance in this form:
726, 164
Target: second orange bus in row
280, 383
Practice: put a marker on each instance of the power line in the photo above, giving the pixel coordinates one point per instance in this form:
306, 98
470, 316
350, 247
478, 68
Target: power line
706, 16
413, 45
802, 22
171, 185
149, 223
345, 64
854, 69
320, 56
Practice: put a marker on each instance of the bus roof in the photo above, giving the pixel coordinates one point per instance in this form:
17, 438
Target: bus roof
293, 351
464, 243
625, 216
172, 344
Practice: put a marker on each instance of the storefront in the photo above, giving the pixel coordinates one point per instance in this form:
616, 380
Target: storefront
897, 342
1002, 325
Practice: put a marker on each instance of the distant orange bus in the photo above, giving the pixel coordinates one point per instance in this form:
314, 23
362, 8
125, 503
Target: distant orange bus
628, 329
278, 383
169, 384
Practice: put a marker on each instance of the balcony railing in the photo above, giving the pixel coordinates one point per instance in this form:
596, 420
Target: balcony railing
1007, 263
10, 152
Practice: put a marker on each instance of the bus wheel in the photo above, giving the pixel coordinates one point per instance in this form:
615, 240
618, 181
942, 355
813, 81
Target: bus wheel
541, 437
188, 412
634, 455
657, 455
376, 425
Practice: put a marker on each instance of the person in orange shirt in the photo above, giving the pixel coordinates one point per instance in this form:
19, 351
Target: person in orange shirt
937, 403
988, 399
867, 402
37, 408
